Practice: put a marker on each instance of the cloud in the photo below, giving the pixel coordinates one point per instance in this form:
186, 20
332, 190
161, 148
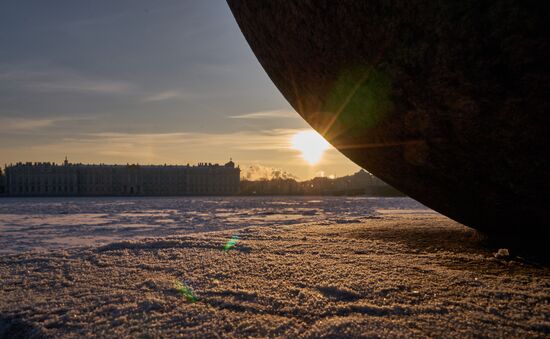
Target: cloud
162, 147
166, 95
76, 85
51, 79
263, 144
266, 115
274, 139
42, 78
17, 124
10, 124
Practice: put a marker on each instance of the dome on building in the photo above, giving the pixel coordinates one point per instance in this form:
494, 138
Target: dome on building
230, 163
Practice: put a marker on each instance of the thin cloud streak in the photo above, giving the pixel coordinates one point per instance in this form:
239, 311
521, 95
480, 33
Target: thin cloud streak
81, 86
162, 96
273, 140
266, 115
10, 124
39, 77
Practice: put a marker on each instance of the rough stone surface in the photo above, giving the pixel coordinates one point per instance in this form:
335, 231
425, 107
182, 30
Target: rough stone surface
445, 100
400, 275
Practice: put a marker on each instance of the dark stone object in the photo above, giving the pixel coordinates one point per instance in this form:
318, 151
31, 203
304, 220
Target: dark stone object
445, 100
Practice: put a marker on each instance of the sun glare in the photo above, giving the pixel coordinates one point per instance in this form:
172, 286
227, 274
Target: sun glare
311, 144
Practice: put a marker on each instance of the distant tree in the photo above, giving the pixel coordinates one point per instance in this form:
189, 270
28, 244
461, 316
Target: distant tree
360, 183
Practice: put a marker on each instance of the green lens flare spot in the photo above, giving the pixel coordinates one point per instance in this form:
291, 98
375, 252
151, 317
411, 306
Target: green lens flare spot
231, 243
186, 292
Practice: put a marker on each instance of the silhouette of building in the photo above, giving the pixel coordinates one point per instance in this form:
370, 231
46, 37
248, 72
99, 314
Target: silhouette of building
2, 183
50, 179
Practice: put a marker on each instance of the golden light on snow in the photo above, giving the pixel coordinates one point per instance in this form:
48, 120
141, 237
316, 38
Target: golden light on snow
311, 144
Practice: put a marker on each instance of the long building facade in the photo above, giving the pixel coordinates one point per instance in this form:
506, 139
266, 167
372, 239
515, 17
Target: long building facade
67, 179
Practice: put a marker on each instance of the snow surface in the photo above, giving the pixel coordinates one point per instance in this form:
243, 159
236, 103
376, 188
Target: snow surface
325, 267
55, 223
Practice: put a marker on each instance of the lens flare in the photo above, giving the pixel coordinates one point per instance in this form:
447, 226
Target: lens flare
311, 144
185, 291
231, 243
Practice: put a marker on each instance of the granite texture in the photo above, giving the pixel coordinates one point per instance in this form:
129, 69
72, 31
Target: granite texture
399, 275
444, 100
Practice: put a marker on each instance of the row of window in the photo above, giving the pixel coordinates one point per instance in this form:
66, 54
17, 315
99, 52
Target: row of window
137, 190
62, 181
53, 181
45, 189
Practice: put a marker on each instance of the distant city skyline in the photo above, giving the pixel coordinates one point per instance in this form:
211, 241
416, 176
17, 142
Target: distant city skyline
142, 82
248, 172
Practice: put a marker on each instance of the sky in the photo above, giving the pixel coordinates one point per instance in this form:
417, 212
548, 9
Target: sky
148, 82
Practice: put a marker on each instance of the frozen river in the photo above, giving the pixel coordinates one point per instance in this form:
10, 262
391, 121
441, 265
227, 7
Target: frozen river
54, 223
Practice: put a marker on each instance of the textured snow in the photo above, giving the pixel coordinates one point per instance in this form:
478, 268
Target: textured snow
407, 272
50, 223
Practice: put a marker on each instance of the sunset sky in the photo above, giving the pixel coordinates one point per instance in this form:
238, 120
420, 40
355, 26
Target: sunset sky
142, 82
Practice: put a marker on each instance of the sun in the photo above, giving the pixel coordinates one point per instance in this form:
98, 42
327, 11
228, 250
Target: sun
311, 144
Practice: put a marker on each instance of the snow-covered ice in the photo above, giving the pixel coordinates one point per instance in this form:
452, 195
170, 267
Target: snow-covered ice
55, 223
